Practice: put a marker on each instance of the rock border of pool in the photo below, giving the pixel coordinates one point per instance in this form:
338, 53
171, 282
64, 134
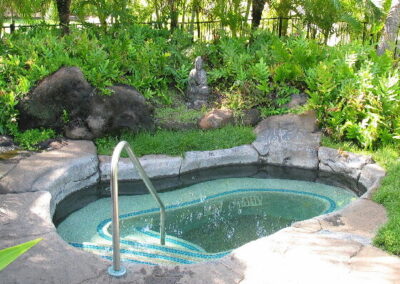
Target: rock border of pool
330, 248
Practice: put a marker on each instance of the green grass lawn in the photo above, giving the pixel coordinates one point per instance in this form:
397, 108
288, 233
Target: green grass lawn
176, 143
388, 237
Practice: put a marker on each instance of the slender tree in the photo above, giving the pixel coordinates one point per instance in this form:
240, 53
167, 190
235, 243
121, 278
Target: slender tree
256, 13
173, 13
64, 11
391, 29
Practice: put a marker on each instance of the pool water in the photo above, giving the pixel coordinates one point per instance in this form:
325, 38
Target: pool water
204, 221
235, 218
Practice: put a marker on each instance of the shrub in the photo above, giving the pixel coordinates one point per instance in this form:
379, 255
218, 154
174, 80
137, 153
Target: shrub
30, 138
354, 91
357, 96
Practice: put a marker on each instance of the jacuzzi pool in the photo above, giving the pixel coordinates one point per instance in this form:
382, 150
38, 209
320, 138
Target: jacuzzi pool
205, 220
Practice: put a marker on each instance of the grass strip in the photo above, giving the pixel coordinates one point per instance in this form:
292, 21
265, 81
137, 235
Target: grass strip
176, 143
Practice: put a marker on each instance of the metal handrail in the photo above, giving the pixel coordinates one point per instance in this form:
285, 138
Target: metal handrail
116, 269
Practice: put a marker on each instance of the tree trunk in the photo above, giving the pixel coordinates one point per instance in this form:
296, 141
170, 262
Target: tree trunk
158, 18
391, 29
256, 13
247, 14
184, 6
173, 14
63, 9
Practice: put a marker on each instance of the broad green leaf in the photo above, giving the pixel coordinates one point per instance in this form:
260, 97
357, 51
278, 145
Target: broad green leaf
8, 255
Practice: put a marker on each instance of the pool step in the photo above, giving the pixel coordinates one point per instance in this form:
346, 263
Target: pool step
143, 247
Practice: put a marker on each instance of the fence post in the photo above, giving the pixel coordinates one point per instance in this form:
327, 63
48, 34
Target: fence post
280, 26
198, 30
12, 27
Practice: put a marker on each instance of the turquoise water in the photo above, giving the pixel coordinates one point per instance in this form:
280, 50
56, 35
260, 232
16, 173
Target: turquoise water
203, 221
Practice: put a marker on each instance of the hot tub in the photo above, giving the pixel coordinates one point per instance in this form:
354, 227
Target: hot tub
208, 212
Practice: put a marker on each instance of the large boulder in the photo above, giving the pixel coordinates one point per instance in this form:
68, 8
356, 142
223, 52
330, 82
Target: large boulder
125, 108
289, 140
64, 92
65, 101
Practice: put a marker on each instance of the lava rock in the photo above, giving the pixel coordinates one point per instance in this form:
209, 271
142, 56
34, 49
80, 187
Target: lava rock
51, 144
6, 141
65, 101
7, 144
251, 117
64, 92
342, 162
78, 131
126, 108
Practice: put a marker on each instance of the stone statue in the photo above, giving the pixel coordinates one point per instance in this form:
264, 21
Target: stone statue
198, 90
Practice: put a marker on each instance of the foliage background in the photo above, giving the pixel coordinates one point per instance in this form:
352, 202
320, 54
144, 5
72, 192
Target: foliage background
353, 90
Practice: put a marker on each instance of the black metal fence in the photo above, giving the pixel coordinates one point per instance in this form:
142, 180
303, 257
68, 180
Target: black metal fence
210, 30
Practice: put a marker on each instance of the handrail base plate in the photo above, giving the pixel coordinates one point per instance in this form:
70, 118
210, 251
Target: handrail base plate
116, 273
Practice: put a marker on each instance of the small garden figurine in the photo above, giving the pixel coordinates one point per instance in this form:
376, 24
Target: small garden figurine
198, 90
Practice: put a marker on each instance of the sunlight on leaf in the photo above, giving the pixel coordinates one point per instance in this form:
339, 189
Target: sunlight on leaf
8, 255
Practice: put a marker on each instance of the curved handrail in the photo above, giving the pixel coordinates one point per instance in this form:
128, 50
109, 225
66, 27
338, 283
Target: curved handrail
116, 269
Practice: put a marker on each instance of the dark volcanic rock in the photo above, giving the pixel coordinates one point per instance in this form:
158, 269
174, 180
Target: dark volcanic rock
78, 130
7, 144
251, 117
65, 101
6, 141
65, 91
125, 108
51, 144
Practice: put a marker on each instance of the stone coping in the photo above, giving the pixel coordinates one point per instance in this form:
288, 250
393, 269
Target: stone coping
329, 248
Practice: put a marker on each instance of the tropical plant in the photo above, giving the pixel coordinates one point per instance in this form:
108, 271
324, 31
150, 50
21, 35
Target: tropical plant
354, 94
29, 139
8, 255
